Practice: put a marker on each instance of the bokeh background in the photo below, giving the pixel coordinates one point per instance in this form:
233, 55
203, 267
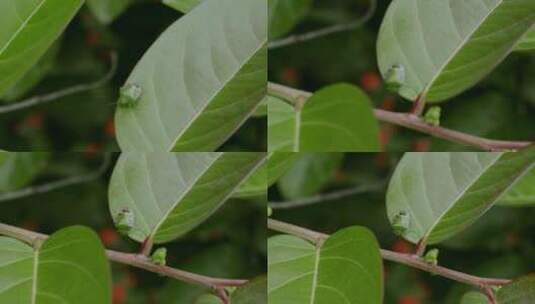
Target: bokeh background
500, 107
231, 244
500, 244
84, 121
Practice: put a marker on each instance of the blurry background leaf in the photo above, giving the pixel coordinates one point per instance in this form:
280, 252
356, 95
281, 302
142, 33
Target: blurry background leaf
520, 291
284, 15
474, 297
527, 43
18, 169
106, 11
254, 292
182, 5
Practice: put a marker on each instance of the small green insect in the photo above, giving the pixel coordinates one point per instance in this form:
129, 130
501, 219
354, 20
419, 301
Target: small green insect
431, 257
124, 222
159, 257
432, 116
130, 95
395, 78
401, 222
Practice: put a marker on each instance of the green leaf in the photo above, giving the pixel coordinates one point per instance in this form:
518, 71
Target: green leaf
474, 297
527, 43
309, 174
17, 169
522, 193
69, 267
199, 81
171, 193
284, 15
183, 6
208, 299
346, 268
106, 11
335, 119
266, 175
443, 193
254, 292
35, 74
29, 28
521, 291
447, 46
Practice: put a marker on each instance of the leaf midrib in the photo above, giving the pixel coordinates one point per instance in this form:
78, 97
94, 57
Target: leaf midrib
184, 194
22, 26
459, 196
315, 274
34, 276
458, 49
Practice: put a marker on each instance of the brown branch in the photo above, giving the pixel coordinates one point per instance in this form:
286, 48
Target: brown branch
406, 259
132, 259
325, 31
412, 122
79, 88
66, 182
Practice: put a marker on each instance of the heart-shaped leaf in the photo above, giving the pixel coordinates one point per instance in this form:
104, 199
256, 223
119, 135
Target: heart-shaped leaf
309, 174
276, 165
444, 47
433, 196
19, 168
182, 5
168, 194
106, 11
521, 291
199, 81
69, 267
338, 118
29, 28
284, 15
346, 268
522, 193
528, 42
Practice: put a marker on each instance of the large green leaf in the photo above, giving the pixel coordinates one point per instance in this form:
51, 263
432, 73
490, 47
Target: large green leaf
521, 291
338, 118
284, 15
446, 46
433, 196
106, 11
346, 268
27, 29
276, 165
182, 5
522, 193
17, 169
171, 193
309, 174
199, 81
69, 267
528, 42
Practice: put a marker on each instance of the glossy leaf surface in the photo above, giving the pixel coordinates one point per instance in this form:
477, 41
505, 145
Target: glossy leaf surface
27, 29
70, 267
338, 118
201, 79
346, 268
447, 46
171, 193
443, 193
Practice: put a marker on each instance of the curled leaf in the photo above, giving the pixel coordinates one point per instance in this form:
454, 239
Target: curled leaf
159, 257
395, 78
431, 257
130, 95
125, 221
401, 223
432, 116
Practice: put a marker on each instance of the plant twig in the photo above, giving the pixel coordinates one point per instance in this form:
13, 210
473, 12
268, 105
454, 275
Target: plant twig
41, 99
406, 259
324, 197
413, 122
325, 31
132, 259
68, 181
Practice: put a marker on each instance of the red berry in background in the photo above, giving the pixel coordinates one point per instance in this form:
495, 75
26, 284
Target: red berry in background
34, 121
92, 149
118, 294
385, 134
108, 236
109, 128
388, 104
421, 145
370, 81
408, 300
402, 246
290, 76
92, 37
